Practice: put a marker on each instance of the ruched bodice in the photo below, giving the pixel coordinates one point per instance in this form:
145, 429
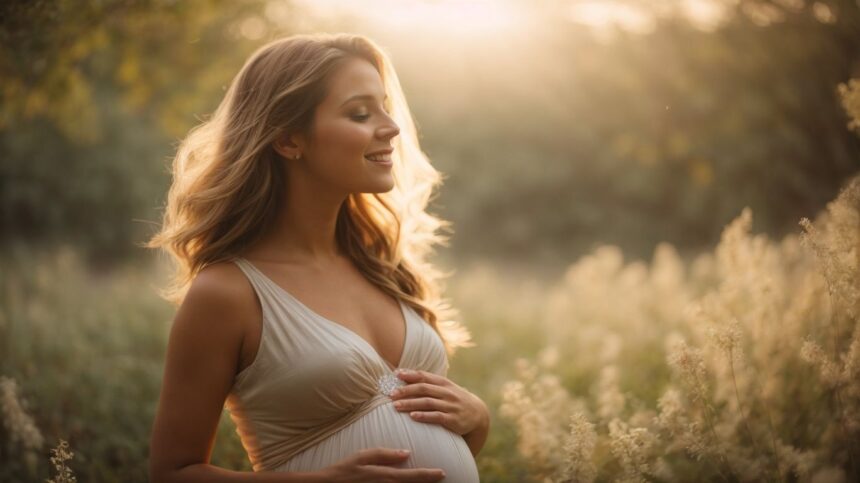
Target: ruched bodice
313, 378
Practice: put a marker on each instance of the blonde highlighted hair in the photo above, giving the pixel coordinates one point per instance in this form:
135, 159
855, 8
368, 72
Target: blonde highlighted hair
228, 181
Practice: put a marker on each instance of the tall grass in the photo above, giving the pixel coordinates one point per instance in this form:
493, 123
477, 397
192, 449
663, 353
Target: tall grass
82, 357
741, 365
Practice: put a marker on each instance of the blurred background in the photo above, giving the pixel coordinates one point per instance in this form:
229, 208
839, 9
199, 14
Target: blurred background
561, 126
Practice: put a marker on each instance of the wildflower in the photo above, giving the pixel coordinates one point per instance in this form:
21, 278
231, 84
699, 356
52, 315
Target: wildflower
671, 412
579, 450
798, 462
688, 363
756, 300
19, 425
727, 340
828, 370
610, 400
59, 456
631, 447
693, 440
537, 402
833, 240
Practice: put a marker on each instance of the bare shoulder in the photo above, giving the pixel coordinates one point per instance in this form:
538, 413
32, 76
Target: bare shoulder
222, 280
203, 353
223, 284
220, 299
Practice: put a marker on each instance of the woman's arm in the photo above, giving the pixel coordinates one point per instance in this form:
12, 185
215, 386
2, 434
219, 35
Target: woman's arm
202, 358
478, 436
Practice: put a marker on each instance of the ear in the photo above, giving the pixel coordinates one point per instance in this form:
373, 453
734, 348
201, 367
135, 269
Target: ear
288, 145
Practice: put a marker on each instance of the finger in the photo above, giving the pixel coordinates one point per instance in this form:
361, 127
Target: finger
410, 375
424, 404
431, 417
415, 475
422, 389
376, 456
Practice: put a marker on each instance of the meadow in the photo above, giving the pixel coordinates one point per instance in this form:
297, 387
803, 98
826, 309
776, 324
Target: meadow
742, 364
733, 357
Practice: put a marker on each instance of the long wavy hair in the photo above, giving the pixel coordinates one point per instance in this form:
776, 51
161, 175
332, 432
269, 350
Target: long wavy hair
228, 181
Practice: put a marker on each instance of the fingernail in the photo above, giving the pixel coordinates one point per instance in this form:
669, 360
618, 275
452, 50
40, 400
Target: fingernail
404, 451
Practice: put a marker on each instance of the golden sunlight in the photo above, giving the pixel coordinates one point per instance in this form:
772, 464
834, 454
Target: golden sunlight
602, 14
488, 18
462, 17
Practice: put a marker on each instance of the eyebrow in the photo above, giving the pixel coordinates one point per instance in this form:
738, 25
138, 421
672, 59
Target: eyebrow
362, 96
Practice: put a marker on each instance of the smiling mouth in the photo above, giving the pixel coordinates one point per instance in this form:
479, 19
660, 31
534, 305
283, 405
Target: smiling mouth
379, 158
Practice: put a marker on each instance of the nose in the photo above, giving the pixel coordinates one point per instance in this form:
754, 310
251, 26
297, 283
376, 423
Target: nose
389, 129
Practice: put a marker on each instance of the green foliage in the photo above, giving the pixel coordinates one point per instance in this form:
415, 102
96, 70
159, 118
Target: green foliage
94, 95
551, 139
567, 141
87, 351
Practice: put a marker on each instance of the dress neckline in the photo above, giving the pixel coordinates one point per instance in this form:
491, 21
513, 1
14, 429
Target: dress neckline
340, 326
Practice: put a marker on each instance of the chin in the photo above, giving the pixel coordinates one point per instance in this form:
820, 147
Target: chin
378, 188
381, 189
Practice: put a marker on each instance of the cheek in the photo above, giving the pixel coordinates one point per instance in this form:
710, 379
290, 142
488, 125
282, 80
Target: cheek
344, 140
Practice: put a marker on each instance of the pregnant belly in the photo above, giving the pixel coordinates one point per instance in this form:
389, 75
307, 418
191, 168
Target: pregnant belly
431, 445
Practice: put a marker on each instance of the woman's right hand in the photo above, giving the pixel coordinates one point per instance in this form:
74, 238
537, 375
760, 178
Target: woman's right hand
370, 465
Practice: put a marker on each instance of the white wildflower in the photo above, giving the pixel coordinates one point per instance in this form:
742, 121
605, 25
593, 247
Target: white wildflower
19, 425
579, 447
828, 370
610, 400
631, 447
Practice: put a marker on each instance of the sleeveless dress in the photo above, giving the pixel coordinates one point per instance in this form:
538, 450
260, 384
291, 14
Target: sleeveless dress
317, 392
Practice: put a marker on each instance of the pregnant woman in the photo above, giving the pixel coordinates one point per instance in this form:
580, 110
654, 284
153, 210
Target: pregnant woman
306, 307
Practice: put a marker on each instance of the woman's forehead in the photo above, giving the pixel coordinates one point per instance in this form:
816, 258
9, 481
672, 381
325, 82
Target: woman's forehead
356, 79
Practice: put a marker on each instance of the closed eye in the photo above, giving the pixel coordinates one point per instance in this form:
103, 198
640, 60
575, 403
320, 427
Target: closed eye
364, 117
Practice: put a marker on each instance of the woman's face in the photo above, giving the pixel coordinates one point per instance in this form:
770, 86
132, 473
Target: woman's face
350, 124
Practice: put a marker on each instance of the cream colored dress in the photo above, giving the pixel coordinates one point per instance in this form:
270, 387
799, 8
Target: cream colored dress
317, 392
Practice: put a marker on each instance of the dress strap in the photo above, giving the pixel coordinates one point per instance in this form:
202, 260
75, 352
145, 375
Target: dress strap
284, 320
258, 282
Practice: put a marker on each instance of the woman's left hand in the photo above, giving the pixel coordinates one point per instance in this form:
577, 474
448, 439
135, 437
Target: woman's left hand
431, 398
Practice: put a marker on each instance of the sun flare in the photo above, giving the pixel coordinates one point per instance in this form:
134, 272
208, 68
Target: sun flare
448, 16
